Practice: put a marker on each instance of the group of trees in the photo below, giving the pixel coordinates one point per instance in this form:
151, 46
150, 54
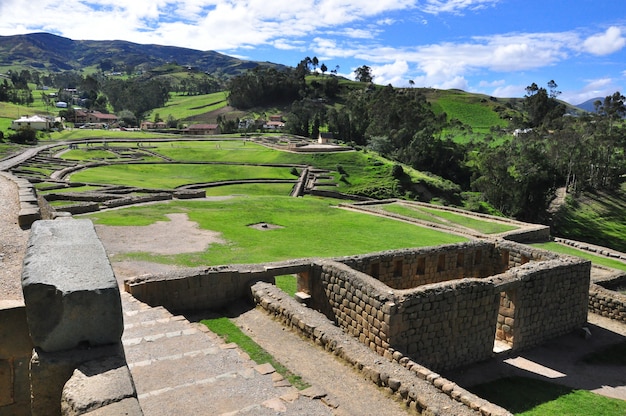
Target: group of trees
519, 177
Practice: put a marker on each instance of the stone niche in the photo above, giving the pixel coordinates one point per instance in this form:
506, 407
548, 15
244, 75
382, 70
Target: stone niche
445, 306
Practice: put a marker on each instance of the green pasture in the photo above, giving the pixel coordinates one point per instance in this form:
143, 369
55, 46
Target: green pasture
182, 107
364, 172
529, 397
251, 189
571, 251
597, 218
311, 227
470, 109
448, 218
170, 176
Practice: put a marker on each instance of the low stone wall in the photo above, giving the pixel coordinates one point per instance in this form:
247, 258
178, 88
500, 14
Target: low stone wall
608, 303
74, 316
15, 351
29, 206
423, 391
526, 233
205, 288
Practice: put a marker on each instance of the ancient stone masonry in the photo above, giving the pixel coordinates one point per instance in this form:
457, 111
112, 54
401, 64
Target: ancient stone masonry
451, 319
608, 303
442, 306
74, 316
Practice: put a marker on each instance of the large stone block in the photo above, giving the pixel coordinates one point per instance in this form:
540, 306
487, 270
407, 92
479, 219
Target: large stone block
96, 384
14, 338
71, 294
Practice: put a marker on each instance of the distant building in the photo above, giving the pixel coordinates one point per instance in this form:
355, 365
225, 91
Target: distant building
34, 122
325, 138
275, 123
81, 116
61, 104
151, 125
203, 129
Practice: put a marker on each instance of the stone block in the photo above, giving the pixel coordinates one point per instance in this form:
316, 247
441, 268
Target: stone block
50, 371
96, 384
127, 407
71, 294
14, 338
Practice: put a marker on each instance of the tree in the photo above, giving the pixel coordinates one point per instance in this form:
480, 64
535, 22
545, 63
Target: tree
364, 74
542, 108
315, 62
323, 68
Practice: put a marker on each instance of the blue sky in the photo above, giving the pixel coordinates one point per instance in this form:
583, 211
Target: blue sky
495, 47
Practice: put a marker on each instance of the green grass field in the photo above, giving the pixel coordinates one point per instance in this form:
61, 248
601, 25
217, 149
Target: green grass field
182, 107
597, 218
448, 218
170, 176
529, 397
311, 227
571, 251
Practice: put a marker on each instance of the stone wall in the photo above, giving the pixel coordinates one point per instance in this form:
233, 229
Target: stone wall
410, 268
608, 303
74, 317
455, 320
205, 288
15, 351
550, 299
422, 390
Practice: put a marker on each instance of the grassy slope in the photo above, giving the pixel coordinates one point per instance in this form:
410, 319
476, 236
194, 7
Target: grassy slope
596, 218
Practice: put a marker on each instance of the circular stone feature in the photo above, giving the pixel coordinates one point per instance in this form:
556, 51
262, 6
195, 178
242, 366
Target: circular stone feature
264, 226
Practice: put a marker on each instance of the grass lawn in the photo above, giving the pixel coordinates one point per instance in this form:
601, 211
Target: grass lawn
312, 227
170, 176
226, 329
597, 218
182, 107
251, 189
529, 397
450, 218
571, 251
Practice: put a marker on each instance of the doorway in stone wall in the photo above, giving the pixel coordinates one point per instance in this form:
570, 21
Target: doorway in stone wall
505, 326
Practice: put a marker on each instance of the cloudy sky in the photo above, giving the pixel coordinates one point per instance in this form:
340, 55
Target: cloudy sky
496, 47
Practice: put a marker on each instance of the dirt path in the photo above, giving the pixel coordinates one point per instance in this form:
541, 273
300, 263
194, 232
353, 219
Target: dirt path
12, 242
353, 394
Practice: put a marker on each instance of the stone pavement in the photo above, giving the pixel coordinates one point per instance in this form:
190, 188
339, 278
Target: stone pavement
182, 368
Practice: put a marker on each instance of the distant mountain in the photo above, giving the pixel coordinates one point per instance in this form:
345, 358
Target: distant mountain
47, 52
588, 105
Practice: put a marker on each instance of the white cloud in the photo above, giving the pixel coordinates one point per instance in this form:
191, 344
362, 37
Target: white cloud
455, 6
605, 43
594, 88
394, 73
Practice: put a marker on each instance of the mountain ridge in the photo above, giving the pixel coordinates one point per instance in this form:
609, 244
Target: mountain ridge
46, 51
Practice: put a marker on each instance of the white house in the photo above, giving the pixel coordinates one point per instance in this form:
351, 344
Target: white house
34, 122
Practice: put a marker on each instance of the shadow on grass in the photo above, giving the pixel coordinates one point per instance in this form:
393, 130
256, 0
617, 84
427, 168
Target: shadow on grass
531, 397
520, 394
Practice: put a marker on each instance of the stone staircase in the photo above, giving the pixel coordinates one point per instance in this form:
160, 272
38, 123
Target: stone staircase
182, 368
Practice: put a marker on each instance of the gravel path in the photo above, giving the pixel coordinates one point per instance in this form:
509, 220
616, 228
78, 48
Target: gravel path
12, 242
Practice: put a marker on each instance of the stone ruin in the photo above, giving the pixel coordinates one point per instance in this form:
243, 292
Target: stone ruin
443, 306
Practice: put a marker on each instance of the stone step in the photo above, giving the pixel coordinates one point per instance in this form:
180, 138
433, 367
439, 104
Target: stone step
149, 314
225, 394
155, 326
181, 368
165, 345
192, 367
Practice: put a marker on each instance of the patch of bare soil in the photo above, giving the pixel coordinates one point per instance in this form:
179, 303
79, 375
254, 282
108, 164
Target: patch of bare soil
179, 235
